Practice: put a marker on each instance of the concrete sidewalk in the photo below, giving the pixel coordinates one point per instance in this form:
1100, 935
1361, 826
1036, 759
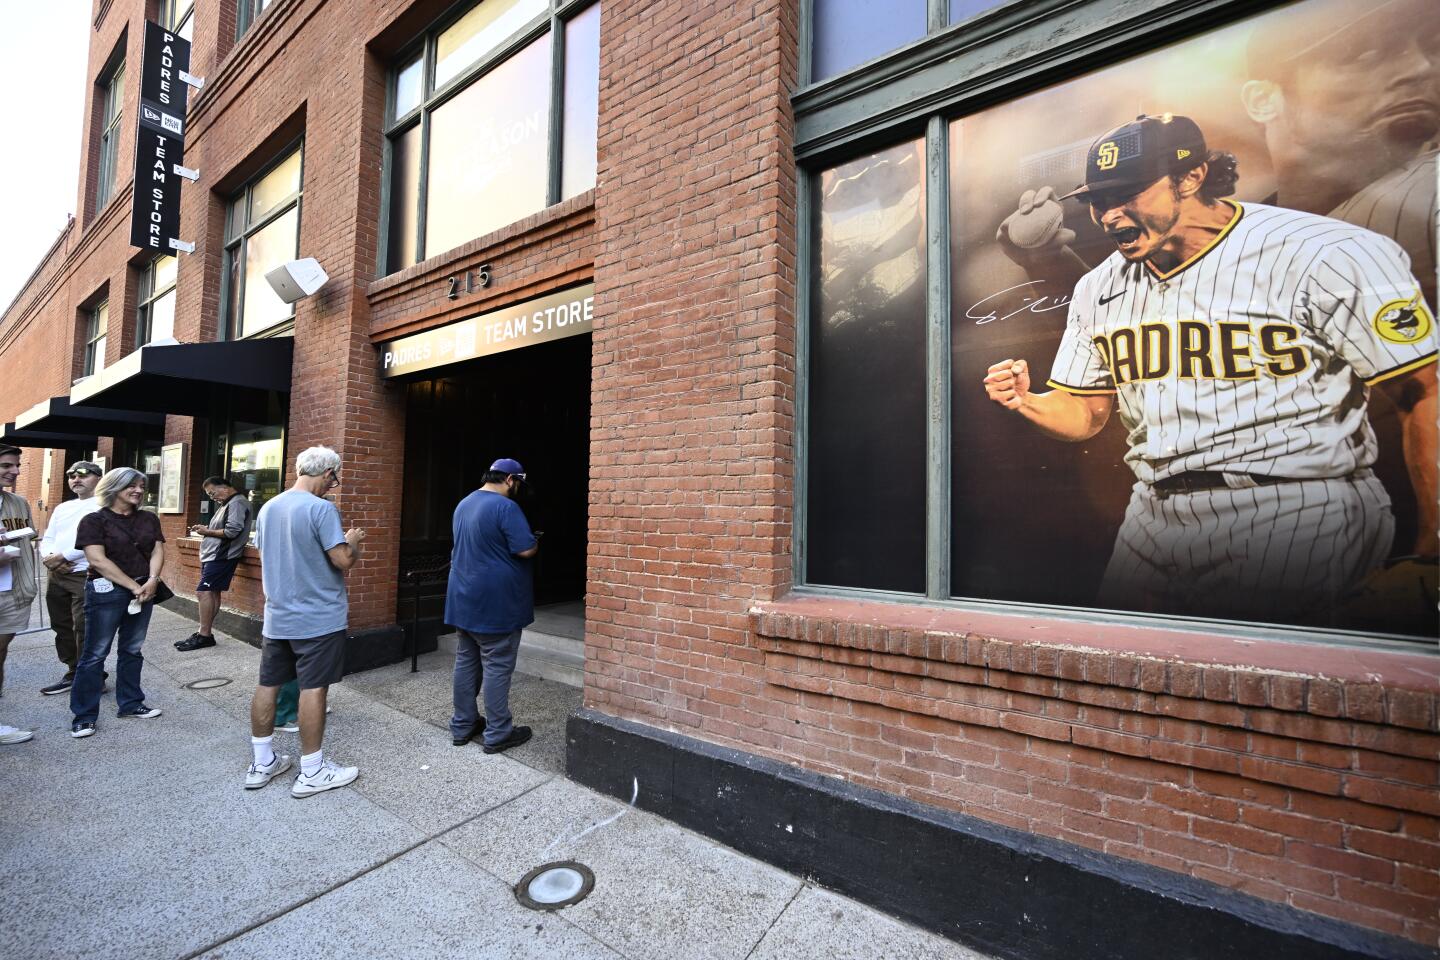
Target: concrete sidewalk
140, 841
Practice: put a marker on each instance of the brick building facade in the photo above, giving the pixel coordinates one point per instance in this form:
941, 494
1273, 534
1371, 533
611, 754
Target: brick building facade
1264, 787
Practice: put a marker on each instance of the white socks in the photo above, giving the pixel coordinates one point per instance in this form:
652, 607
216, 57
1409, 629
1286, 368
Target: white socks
311, 763
264, 755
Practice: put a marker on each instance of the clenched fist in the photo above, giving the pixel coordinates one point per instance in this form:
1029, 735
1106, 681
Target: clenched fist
1008, 383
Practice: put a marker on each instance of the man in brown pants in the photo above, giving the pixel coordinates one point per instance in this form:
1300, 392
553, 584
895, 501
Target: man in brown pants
65, 593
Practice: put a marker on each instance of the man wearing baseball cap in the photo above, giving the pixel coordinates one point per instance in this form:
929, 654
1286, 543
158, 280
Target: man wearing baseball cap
1240, 345
67, 566
1132, 183
489, 600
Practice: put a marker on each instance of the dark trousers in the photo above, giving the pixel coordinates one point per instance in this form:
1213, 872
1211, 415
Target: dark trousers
65, 599
484, 663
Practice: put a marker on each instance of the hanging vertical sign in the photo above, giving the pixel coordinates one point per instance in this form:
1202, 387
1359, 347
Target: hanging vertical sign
160, 141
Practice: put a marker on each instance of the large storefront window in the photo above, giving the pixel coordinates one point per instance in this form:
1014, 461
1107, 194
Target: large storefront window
148, 463
1191, 337
477, 138
249, 447
262, 231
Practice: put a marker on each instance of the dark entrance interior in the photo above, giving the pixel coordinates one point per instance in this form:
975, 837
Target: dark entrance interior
531, 404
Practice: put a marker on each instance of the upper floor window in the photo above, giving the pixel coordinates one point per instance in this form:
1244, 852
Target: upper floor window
113, 97
178, 16
477, 137
96, 322
262, 231
247, 12
847, 33
156, 319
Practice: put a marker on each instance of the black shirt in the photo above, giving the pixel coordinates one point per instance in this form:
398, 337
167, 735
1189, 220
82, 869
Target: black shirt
128, 539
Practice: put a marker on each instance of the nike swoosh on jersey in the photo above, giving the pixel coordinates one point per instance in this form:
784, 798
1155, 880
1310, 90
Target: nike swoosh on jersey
1105, 300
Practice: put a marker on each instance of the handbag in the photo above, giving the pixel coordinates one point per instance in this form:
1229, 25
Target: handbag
163, 594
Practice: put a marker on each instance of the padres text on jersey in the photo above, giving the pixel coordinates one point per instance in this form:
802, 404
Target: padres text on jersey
1256, 354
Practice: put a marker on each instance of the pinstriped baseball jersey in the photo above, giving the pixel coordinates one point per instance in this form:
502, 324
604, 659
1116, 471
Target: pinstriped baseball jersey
1254, 356
1401, 206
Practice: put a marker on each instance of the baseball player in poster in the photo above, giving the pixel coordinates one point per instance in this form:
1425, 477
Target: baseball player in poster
1240, 344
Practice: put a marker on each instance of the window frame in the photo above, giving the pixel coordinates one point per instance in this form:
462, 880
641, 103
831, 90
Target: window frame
220, 441
914, 92
432, 98
144, 316
108, 161
246, 15
236, 245
93, 359
169, 20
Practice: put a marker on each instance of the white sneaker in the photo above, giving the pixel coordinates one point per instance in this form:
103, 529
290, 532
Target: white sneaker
328, 777
289, 727
257, 776
14, 734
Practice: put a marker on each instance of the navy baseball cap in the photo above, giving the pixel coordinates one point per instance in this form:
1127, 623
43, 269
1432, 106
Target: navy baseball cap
1138, 153
506, 465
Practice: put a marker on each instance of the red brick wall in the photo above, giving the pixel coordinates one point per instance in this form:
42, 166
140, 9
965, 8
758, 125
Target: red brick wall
246, 594
692, 397
1319, 790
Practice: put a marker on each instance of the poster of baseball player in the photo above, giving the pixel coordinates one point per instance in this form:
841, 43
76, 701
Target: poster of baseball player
1193, 333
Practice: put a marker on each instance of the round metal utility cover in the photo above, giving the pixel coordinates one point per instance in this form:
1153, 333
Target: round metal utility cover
551, 886
209, 683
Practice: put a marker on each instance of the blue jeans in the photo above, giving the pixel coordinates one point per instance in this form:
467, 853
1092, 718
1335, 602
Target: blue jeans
105, 615
483, 664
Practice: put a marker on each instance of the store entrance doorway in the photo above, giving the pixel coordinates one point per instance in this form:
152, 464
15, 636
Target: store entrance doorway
532, 405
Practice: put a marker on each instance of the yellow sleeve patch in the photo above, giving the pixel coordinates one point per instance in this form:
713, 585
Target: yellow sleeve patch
1404, 321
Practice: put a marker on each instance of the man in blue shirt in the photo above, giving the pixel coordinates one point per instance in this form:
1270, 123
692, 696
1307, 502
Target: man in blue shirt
489, 600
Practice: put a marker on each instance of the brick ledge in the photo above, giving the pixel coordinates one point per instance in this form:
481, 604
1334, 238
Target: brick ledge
1363, 684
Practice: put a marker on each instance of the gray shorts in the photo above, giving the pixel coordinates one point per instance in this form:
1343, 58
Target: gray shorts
13, 616
315, 662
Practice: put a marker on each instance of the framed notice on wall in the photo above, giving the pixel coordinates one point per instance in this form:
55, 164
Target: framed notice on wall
171, 496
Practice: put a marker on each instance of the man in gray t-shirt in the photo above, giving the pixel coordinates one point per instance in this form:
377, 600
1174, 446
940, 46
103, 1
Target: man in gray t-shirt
222, 545
304, 554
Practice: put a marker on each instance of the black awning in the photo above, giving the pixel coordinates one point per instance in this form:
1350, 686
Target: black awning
186, 378
58, 416
15, 437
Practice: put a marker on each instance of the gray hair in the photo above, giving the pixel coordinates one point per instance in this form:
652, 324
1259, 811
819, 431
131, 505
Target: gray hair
316, 460
113, 482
